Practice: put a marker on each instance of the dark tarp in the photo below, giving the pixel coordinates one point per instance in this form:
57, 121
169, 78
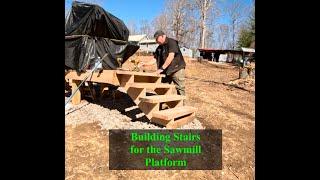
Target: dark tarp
80, 51
92, 32
92, 20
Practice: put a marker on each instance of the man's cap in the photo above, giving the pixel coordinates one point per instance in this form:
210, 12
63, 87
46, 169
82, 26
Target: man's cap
158, 33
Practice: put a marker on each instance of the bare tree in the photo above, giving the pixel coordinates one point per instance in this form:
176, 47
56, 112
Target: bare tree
190, 39
178, 12
204, 7
145, 28
235, 10
132, 27
209, 39
223, 35
161, 22
179, 20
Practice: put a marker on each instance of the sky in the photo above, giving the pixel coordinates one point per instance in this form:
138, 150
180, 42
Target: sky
131, 10
137, 10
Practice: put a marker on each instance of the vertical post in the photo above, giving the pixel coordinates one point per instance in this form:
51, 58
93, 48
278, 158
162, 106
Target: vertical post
77, 96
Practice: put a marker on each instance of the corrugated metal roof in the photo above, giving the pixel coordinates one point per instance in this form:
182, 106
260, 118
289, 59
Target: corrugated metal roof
137, 38
248, 50
148, 41
218, 50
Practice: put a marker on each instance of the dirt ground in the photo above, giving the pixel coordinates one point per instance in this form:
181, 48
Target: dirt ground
220, 106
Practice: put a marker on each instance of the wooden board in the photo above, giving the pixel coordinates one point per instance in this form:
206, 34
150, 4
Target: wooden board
107, 76
162, 98
76, 99
162, 122
180, 122
174, 112
139, 73
131, 108
150, 85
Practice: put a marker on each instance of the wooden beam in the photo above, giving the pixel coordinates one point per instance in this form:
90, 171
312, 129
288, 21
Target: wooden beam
131, 108
139, 73
76, 99
106, 76
162, 98
150, 85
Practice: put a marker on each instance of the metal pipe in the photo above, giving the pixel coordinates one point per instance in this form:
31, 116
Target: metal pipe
100, 61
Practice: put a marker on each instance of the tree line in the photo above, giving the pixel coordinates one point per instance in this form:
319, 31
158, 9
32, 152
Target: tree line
221, 24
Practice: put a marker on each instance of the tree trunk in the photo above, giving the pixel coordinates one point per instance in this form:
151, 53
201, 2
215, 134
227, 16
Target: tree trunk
233, 33
203, 23
203, 33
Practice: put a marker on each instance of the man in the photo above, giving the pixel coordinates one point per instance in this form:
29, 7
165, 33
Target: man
170, 61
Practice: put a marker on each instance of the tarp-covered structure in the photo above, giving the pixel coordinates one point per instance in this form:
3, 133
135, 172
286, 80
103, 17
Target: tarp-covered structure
91, 32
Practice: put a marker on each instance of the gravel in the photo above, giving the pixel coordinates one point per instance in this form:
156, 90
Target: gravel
108, 115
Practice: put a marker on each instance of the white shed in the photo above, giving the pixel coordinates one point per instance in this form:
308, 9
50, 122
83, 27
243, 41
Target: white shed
186, 51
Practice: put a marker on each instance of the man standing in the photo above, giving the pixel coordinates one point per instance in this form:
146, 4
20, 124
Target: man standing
170, 61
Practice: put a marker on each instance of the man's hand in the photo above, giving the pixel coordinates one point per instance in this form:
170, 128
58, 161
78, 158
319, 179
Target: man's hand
159, 71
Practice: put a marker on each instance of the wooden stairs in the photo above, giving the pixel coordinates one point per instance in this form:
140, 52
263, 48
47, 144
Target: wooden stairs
158, 101
138, 85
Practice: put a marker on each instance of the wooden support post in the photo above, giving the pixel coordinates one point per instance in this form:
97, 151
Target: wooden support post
76, 99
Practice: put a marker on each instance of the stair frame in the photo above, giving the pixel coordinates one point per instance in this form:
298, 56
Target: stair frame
125, 79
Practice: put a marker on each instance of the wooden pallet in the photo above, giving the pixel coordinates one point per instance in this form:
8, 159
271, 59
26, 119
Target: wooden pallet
136, 84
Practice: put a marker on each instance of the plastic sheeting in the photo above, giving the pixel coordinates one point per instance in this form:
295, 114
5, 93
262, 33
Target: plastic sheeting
91, 32
92, 20
81, 51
